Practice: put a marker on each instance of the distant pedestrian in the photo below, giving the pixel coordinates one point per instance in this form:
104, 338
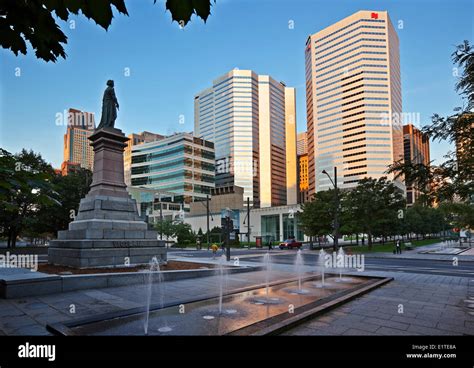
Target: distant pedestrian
214, 248
398, 247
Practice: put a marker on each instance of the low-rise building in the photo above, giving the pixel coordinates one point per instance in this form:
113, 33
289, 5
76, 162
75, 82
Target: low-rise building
271, 223
180, 164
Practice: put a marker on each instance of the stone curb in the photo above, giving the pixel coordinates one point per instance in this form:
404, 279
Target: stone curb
52, 284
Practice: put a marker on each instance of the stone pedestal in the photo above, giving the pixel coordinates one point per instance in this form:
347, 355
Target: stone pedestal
107, 230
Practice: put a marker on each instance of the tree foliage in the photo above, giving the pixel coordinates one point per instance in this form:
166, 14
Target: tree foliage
35, 21
372, 207
176, 229
34, 200
452, 179
317, 218
26, 188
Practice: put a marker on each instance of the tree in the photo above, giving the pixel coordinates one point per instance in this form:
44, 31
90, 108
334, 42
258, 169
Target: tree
184, 233
26, 189
454, 177
317, 218
373, 206
34, 21
215, 233
166, 228
460, 215
70, 189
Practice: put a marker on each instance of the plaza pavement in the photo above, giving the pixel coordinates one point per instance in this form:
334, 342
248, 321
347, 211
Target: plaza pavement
430, 304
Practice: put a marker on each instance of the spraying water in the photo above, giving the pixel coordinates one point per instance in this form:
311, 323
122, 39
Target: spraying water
299, 271
221, 278
267, 300
340, 258
153, 267
321, 261
155, 272
267, 263
299, 267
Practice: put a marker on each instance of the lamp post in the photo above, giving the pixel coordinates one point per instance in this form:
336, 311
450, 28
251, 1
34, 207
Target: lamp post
227, 225
247, 218
207, 215
336, 202
161, 220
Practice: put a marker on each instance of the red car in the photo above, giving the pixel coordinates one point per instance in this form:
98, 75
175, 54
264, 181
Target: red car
290, 244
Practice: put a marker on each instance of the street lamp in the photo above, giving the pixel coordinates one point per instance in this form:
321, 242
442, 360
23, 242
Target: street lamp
228, 226
247, 218
336, 201
208, 214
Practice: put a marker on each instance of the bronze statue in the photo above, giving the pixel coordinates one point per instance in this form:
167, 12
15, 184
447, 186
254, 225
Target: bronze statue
110, 106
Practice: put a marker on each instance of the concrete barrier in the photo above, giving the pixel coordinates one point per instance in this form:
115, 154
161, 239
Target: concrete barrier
51, 284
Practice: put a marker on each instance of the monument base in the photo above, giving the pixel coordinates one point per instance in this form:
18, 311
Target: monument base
107, 231
90, 257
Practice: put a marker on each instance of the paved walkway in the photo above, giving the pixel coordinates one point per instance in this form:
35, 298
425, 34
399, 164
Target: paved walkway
413, 304
421, 253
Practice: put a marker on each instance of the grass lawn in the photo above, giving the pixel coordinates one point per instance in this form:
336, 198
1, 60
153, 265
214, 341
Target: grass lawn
387, 247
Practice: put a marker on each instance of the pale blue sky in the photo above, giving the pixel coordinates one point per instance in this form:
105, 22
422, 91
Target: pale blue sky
169, 65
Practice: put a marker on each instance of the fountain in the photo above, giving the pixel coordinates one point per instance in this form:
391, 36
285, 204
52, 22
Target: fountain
299, 265
154, 266
221, 281
341, 264
248, 310
322, 264
266, 262
199, 320
222, 286
154, 269
340, 259
267, 300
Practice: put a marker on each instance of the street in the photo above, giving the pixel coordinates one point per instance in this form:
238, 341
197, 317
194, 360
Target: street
420, 266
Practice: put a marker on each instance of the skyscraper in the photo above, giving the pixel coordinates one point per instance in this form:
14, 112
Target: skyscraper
303, 183
416, 146
291, 147
353, 98
250, 118
301, 143
77, 150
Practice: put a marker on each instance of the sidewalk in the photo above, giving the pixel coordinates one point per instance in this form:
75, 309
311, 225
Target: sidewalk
412, 304
418, 253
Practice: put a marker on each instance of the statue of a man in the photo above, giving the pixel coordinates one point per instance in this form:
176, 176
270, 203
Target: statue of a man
110, 106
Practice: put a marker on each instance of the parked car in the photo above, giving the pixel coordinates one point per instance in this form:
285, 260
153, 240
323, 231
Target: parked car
290, 244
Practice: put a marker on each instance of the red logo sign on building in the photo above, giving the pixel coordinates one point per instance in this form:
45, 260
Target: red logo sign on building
374, 16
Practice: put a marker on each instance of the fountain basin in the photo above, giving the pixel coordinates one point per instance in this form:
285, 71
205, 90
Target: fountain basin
249, 317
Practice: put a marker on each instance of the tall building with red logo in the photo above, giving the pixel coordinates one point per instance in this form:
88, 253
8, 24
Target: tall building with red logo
353, 100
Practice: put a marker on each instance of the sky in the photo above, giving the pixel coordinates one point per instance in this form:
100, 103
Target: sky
159, 67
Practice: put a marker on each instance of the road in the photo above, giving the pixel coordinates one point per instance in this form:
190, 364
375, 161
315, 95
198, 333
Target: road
421, 266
